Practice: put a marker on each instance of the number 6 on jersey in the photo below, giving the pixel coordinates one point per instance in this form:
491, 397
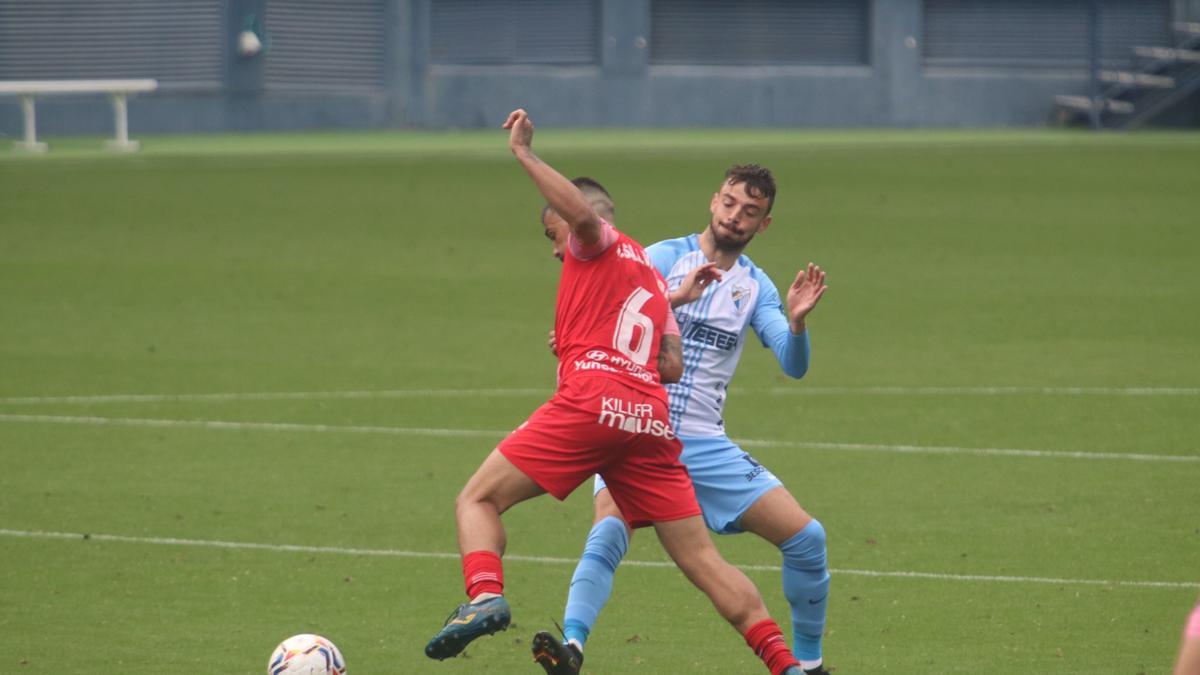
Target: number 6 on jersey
631, 342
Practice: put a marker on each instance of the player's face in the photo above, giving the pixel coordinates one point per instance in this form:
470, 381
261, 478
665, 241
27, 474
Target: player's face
737, 216
556, 230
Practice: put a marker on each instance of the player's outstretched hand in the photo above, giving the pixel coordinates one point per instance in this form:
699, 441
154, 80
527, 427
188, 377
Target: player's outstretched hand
693, 285
552, 343
521, 130
804, 294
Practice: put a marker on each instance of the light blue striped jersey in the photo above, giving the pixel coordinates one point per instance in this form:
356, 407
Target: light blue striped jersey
714, 328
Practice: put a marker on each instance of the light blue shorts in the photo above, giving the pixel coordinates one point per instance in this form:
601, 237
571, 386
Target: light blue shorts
727, 480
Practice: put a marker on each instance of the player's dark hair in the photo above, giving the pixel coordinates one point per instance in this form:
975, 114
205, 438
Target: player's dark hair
586, 183
597, 196
758, 179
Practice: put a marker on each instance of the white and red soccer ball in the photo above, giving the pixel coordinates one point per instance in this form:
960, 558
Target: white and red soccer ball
306, 654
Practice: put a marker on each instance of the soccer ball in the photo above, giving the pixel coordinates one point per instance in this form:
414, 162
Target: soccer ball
306, 654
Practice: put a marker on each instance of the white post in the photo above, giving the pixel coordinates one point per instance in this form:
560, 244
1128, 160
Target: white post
121, 118
30, 143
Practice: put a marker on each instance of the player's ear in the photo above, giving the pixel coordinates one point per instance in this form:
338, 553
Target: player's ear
762, 227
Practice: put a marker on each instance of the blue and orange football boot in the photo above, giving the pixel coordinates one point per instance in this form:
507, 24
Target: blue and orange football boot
555, 657
467, 622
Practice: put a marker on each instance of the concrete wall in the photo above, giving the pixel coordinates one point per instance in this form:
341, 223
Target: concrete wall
893, 89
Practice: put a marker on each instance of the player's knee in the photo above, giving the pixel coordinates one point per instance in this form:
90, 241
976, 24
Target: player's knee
605, 507
463, 503
806, 549
607, 542
470, 499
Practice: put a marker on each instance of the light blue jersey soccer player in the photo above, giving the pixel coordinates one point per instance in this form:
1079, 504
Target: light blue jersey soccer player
718, 295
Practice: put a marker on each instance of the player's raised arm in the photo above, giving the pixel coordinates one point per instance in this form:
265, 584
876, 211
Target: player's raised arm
562, 195
786, 331
803, 295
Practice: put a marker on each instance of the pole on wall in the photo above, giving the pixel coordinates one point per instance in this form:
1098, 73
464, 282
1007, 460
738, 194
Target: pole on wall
1094, 63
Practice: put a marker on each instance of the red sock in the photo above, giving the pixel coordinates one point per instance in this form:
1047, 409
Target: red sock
768, 644
483, 573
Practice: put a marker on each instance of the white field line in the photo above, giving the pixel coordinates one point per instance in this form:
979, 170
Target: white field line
250, 426
278, 396
542, 560
992, 452
487, 433
979, 391
521, 392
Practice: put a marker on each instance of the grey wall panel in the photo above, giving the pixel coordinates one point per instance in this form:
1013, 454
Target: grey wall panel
322, 45
717, 32
180, 43
499, 32
1021, 33
1038, 33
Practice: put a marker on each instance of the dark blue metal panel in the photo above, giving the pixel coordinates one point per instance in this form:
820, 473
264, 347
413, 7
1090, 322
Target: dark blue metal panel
322, 45
499, 32
1038, 33
179, 43
1125, 24
718, 32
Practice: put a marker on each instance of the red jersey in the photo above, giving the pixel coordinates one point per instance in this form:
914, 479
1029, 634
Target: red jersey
610, 315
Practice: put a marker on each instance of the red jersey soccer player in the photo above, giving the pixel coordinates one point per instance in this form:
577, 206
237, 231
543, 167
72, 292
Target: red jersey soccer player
608, 416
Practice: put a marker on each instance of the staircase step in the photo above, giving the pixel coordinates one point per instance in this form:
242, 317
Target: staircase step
1168, 54
1084, 103
1137, 79
1187, 28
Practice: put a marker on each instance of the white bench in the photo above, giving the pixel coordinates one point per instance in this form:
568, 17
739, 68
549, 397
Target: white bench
118, 91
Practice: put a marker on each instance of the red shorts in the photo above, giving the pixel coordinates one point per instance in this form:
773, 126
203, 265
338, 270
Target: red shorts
596, 425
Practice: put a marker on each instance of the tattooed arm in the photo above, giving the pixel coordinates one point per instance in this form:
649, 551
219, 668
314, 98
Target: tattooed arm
670, 359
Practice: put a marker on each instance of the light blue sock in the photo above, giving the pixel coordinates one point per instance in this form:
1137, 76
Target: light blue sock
806, 586
593, 580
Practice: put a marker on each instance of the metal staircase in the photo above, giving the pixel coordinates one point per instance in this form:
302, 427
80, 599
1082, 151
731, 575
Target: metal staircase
1162, 77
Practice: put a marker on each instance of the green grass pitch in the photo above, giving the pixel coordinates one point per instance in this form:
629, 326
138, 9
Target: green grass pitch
999, 429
